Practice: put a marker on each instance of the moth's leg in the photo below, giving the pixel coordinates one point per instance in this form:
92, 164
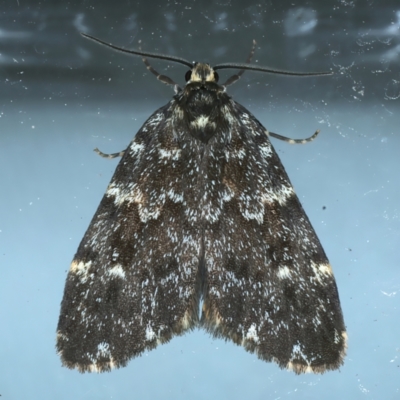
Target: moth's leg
113, 155
237, 76
293, 141
162, 78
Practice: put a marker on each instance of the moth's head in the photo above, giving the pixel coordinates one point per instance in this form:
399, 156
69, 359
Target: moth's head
201, 73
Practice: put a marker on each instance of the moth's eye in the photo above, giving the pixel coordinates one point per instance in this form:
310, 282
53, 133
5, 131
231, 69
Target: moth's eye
188, 75
216, 76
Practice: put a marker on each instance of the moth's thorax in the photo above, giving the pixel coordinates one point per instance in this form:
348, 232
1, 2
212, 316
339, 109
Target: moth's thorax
201, 102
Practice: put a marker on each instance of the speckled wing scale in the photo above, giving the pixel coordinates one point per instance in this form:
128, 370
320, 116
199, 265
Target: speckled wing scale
200, 207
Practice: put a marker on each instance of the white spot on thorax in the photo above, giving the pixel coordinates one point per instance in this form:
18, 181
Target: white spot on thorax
201, 122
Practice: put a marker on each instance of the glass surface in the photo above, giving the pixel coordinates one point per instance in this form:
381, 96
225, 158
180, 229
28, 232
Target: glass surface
62, 95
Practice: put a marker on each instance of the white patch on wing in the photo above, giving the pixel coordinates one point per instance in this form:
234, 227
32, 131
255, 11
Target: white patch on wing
117, 271
213, 319
240, 154
121, 195
178, 112
325, 269
252, 334
345, 338
321, 272
298, 354
103, 351
173, 154
155, 120
136, 148
226, 112
174, 196
228, 194
296, 367
250, 215
146, 213
150, 334
81, 269
185, 321
284, 273
61, 336
280, 195
266, 151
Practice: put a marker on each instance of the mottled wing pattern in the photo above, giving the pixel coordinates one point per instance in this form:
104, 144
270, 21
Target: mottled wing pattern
216, 218
134, 280
270, 287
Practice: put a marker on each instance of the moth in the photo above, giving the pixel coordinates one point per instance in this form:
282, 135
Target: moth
200, 212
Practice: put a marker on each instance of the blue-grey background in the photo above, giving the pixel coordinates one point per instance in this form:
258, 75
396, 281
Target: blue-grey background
62, 95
